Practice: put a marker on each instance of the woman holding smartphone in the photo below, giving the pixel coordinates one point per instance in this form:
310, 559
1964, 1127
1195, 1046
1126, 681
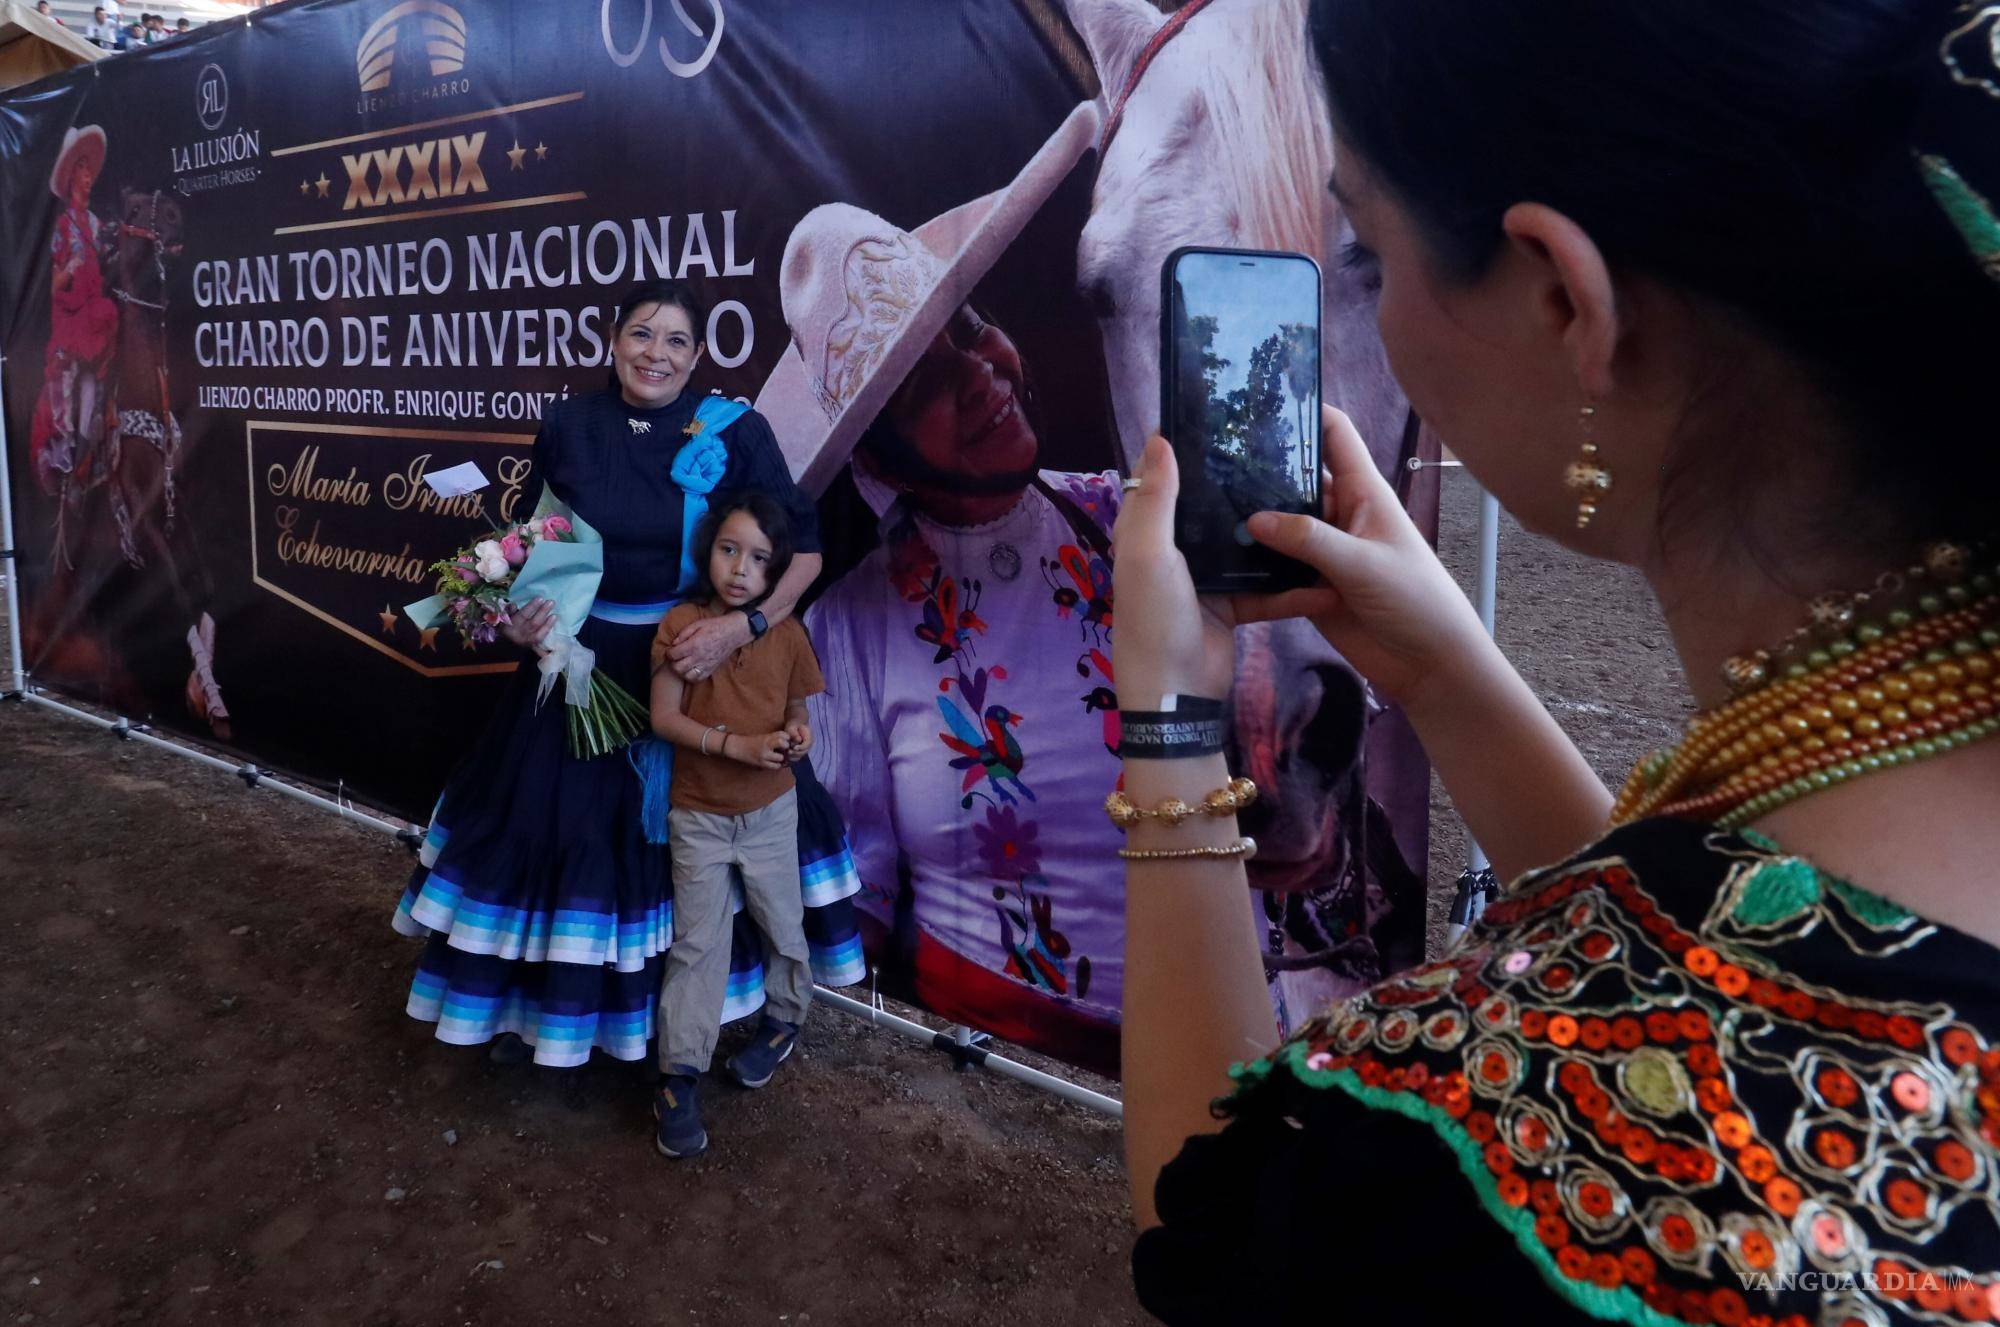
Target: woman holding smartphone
1711, 291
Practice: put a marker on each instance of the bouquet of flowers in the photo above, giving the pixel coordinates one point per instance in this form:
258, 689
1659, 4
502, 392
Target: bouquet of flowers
556, 556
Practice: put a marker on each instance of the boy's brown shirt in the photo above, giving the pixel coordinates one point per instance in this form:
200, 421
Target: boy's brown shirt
748, 694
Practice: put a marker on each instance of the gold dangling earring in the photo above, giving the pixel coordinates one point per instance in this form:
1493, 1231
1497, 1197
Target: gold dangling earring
1586, 476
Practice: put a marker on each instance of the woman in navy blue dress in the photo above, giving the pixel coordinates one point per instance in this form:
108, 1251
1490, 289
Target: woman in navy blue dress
545, 907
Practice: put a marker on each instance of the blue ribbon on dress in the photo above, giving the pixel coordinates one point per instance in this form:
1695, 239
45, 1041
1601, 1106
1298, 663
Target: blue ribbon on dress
698, 467
653, 761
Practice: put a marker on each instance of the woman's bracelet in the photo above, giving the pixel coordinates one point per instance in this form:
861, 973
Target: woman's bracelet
722, 728
1244, 848
1194, 727
1223, 801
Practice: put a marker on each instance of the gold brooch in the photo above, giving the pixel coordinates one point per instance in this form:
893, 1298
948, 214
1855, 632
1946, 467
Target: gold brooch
695, 426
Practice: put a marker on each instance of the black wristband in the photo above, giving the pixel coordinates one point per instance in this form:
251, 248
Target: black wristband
1158, 735
1186, 710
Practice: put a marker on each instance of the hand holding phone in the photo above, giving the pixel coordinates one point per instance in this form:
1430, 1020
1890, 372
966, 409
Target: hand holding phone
1240, 402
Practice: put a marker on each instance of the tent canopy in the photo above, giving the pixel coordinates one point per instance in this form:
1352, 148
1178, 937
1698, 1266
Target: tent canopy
33, 47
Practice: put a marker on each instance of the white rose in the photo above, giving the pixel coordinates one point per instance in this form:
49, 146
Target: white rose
487, 548
495, 568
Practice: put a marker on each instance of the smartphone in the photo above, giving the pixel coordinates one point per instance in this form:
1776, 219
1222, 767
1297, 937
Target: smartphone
1239, 389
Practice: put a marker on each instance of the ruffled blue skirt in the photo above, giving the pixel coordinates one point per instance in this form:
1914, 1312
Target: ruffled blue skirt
545, 912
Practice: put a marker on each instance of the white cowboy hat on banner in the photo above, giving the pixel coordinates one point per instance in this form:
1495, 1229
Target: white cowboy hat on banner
79, 145
863, 298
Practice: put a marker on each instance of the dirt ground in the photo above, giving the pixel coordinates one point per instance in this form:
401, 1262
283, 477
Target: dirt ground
212, 1107
1588, 638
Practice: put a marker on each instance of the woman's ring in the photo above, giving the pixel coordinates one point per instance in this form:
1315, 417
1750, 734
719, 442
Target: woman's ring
1131, 483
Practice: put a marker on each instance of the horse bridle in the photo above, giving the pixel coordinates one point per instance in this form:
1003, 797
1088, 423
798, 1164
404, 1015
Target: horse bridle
1165, 33
150, 231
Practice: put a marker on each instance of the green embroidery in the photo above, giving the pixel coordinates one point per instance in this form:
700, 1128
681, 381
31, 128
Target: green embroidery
1620, 1305
1871, 909
1971, 215
1774, 892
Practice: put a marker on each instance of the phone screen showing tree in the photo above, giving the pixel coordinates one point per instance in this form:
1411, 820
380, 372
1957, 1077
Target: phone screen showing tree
1242, 408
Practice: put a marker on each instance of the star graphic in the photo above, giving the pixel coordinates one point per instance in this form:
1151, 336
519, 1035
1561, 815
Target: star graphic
430, 639
514, 157
541, 152
305, 187
321, 183
388, 616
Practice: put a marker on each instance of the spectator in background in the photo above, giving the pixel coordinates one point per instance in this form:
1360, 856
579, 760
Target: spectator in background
42, 8
182, 27
135, 36
101, 31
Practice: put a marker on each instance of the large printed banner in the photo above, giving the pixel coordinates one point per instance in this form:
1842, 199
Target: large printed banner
257, 284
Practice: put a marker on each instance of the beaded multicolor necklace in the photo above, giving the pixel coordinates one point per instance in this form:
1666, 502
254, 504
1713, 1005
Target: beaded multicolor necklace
1868, 696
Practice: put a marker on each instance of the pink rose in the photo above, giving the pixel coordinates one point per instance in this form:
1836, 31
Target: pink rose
513, 550
468, 573
555, 526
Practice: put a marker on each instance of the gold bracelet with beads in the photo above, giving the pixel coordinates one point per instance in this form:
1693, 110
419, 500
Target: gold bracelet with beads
1224, 801
1244, 848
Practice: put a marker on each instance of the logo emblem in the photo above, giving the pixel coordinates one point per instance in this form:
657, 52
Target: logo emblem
711, 39
211, 96
431, 26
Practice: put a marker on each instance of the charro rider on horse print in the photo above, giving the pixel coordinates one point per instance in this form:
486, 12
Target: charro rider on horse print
105, 440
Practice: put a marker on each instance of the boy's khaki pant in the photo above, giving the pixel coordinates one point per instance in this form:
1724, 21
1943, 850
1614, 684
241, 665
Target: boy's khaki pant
764, 847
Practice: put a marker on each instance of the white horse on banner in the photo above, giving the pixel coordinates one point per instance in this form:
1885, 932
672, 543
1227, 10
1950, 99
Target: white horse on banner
1223, 138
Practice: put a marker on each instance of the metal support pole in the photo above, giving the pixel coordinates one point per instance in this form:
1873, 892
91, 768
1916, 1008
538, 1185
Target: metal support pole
1488, 584
948, 1041
252, 777
10, 562
1476, 884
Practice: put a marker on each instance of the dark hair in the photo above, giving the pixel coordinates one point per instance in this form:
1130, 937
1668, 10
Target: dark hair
764, 509
677, 293
1758, 153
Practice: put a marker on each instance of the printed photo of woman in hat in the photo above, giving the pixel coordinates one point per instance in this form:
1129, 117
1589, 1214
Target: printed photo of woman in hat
969, 731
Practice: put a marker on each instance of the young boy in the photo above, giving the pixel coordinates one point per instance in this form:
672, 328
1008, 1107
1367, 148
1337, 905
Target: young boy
736, 734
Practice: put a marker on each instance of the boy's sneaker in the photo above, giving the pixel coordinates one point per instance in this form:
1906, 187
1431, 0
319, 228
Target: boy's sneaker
754, 1064
680, 1134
